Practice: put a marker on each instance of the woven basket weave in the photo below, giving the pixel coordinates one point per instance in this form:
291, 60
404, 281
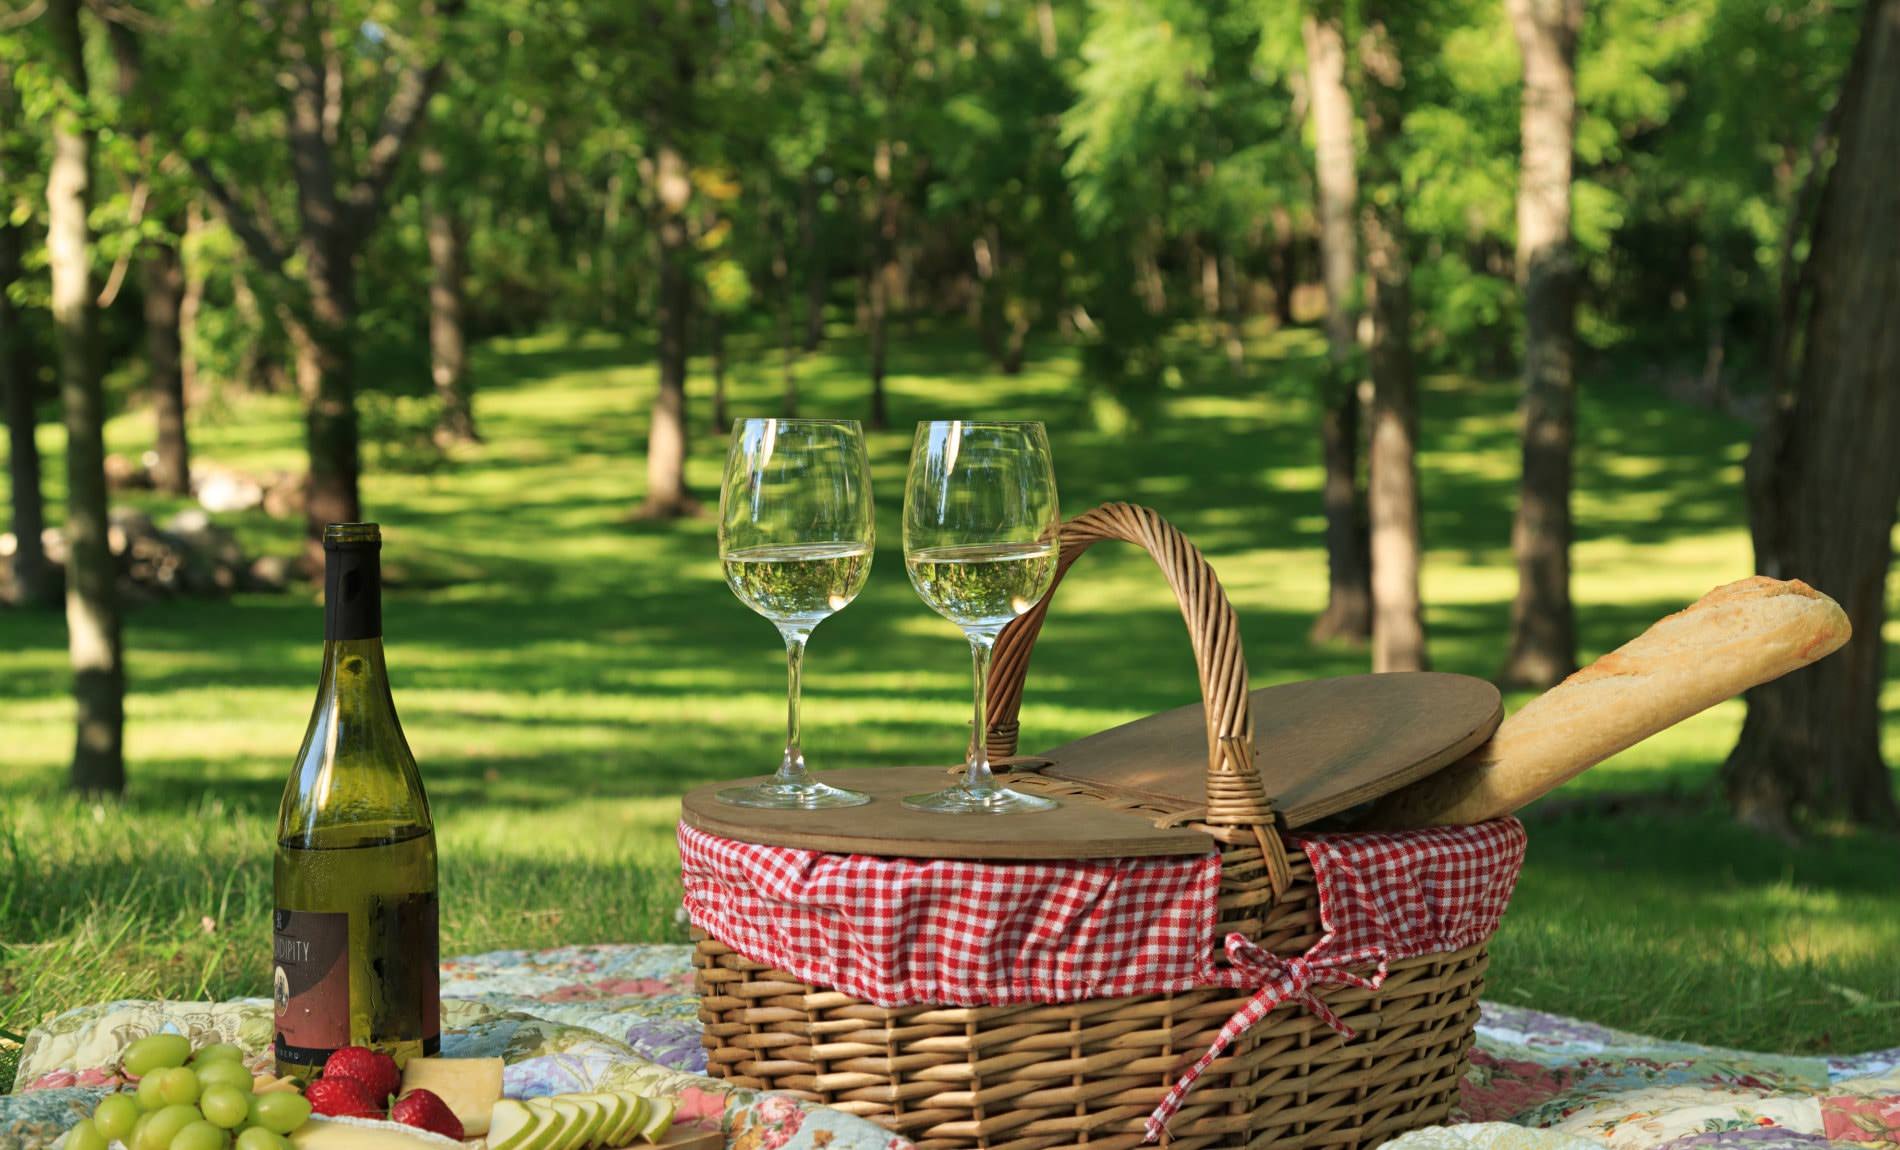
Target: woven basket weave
1089, 1073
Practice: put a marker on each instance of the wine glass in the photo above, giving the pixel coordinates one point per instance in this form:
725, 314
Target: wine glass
795, 536
980, 539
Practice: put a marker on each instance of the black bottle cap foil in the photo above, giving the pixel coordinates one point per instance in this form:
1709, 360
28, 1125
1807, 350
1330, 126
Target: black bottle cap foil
352, 581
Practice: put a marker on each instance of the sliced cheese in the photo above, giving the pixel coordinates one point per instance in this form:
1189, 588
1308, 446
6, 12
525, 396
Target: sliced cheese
366, 1134
470, 1087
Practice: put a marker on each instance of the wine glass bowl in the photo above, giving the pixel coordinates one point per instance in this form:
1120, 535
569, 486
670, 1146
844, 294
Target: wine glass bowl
796, 534
981, 533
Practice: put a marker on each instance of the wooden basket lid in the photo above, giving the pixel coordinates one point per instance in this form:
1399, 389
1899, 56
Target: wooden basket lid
1321, 746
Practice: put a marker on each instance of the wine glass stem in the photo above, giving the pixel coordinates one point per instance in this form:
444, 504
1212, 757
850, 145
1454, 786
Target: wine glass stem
791, 771
977, 776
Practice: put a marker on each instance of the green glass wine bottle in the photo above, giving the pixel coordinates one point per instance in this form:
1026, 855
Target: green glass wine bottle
356, 943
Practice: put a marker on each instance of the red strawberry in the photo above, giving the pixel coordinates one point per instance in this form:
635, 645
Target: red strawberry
424, 1109
376, 1071
342, 1098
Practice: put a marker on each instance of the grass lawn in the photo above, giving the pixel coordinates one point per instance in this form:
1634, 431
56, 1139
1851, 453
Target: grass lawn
564, 674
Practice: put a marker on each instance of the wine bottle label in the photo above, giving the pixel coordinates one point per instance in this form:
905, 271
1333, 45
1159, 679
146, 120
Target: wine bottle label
311, 980
310, 984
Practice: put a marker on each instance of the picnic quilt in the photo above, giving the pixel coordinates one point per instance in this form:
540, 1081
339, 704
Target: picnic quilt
581, 1018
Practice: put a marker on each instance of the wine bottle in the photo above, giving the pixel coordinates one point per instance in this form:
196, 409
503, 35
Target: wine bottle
356, 943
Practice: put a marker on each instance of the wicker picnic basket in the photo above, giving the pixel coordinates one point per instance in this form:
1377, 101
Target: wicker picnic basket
1089, 1073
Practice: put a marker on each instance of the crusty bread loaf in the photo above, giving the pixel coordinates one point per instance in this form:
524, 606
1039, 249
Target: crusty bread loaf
1729, 640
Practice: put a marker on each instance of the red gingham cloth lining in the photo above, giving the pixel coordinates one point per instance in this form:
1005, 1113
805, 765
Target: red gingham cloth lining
899, 932
1382, 897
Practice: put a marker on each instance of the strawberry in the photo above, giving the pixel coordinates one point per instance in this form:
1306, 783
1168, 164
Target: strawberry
342, 1098
426, 1110
376, 1071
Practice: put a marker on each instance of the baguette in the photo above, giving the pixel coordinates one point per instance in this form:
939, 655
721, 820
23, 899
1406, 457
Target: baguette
1733, 638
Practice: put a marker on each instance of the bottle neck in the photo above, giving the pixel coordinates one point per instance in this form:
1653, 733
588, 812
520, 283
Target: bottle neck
352, 594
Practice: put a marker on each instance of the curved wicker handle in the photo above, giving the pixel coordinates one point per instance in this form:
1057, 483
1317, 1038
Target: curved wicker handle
1235, 795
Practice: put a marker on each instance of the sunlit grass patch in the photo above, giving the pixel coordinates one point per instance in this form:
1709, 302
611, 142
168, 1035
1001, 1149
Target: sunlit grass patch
563, 674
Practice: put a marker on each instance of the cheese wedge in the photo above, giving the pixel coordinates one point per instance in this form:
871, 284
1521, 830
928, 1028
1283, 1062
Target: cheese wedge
470, 1087
366, 1134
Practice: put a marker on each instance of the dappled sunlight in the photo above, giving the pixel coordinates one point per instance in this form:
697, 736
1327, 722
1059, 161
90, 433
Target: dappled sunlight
563, 674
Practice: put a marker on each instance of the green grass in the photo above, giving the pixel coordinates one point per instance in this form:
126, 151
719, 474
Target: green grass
564, 674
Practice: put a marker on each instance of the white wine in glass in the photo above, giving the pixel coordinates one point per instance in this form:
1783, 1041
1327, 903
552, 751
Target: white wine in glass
795, 536
980, 543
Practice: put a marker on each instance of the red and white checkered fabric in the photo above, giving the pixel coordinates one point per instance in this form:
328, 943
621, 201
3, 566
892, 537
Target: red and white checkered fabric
902, 932
898, 932
1382, 897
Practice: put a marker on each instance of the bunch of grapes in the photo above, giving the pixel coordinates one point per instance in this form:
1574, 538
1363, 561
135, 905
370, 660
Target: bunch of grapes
188, 1100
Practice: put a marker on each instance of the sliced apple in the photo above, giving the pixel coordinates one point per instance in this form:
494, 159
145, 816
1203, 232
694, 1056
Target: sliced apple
553, 1133
594, 1111
629, 1126
574, 1135
613, 1111
659, 1120
514, 1125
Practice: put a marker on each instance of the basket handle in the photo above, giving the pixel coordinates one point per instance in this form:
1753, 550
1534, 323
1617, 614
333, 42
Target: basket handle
1236, 796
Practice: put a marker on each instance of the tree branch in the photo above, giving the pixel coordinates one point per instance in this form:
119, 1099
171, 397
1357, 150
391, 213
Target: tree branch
254, 229
402, 116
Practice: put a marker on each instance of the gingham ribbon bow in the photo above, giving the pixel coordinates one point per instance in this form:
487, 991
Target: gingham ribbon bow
1281, 980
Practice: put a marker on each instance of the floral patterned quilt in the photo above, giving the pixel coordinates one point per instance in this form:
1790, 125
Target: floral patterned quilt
583, 1018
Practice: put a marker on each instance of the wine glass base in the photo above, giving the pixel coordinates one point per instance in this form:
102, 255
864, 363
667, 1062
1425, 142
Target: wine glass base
792, 796
961, 800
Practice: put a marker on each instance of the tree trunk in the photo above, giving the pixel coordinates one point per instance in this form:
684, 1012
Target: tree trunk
340, 197
1285, 259
716, 335
33, 581
884, 272
448, 344
817, 273
1543, 625
326, 377
667, 497
1150, 284
92, 608
191, 307
1822, 482
1348, 613
1398, 623
1233, 334
787, 349
256, 370
1210, 282
162, 279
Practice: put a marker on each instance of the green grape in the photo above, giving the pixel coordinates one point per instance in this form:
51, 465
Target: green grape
115, 1116
200, 1135
138, 1130
155, 1052
219, 1052
178, 1086
222, 1073
280, 1111
258, 1138
149, 1099
85, 1136
225, 1106
165, 1125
